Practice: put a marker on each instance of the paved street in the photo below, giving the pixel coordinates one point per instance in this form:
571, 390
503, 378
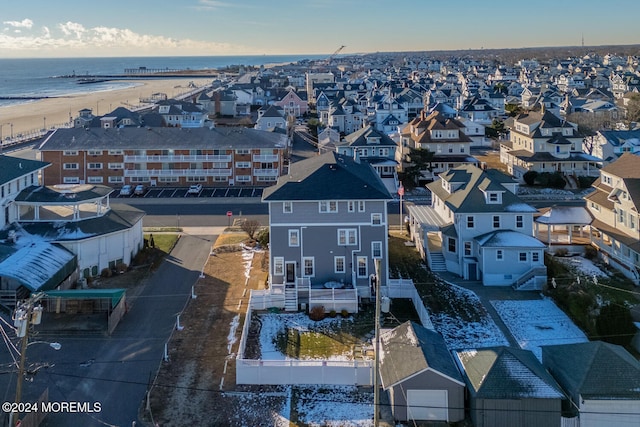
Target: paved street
115, 370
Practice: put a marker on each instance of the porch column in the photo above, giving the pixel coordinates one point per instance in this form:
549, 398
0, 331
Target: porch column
570, 233
36, 213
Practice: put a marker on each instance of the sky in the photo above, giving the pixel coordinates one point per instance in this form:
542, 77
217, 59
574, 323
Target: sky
74, 28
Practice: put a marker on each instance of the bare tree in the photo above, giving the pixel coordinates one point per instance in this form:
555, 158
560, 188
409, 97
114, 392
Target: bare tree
250, 226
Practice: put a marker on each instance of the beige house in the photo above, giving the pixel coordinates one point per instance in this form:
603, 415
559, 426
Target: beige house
614, 206
540, 141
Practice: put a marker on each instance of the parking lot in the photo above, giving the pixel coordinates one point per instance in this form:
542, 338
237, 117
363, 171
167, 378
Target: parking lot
177, 192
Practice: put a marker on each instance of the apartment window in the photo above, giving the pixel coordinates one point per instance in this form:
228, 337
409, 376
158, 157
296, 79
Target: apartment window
70, 180
451, 244
496, 221
535, 256
376, 219
339, 264
95, 165
467, 248
94, 180
351, 206
287, 207
470, 221
328, 206
308, 266
522, 256
347, 236
361, 206
70, 166
94, 152
499, 255
376, 250
294, 237
70, 153
116, 179
243, 165
115, 152
115, 166
519, 221
362, 266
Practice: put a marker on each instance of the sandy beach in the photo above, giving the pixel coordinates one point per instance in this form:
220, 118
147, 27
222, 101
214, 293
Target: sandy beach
31, 116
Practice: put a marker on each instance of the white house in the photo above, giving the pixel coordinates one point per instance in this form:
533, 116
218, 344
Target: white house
477, 228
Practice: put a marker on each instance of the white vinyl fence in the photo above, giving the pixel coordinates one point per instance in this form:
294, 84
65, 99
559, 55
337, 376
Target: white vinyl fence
404, 288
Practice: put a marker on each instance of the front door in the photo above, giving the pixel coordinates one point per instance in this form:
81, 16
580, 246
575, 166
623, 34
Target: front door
291, 272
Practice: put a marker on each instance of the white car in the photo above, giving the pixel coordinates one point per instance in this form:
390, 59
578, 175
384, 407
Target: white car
126, 190
195, 189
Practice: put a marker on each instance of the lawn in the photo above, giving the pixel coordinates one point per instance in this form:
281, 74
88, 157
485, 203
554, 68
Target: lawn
162, 241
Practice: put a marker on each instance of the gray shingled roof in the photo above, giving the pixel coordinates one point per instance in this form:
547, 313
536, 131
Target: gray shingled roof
160, 139
360, 138
120, 217
331, 176
506, 373
470, 198
13, 167
595, 369
56, 194
410, 349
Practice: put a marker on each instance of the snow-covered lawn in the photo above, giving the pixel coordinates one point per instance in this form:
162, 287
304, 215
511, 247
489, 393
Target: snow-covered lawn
538, 322
334, 407
273, 324
459, 333
582, 266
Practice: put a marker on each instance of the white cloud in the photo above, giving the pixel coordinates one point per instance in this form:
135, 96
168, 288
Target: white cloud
72, 38
211, 4
25, 23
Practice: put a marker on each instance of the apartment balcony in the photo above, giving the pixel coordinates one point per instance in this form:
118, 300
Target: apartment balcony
176, 172
265, 158
178, 158
265, 172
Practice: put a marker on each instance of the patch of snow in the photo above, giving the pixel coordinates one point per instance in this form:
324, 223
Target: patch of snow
459, 334
247, 256
335, 407
273, 324
534, 323
583, 266
231, 338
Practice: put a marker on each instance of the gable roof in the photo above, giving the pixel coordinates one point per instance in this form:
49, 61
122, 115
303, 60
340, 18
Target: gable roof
410, 349
594, 369
469, 197
626, 166
506, 373
330, 176
13, 168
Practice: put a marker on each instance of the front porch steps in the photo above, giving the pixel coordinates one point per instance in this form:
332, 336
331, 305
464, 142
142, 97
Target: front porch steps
437, 262
290, 298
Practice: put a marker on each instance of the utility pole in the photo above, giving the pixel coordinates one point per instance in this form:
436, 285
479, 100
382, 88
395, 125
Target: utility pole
26, 314
376, 368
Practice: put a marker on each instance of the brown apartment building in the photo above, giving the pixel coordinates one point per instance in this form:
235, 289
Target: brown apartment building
163, 156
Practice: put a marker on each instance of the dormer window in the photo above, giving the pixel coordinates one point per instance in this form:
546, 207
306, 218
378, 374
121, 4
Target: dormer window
493, 197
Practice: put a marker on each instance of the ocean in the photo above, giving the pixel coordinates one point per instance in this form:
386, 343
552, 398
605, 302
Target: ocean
39, 77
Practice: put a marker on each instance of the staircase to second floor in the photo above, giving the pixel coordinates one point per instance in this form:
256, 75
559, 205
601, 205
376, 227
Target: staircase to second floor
437, 262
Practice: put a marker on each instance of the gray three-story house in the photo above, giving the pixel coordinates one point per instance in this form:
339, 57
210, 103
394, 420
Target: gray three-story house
328, 228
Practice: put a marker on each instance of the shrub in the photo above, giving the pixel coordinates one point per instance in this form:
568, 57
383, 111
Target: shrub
122, 267
590, 252
615, 324
106, 272
344, 313
316, 313
585, 181
333, 314
561, 252
263, 237
530, 177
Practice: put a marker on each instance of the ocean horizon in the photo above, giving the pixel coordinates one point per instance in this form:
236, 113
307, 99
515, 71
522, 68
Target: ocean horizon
40, 77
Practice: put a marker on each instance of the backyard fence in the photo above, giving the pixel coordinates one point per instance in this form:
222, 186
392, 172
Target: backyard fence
404, 288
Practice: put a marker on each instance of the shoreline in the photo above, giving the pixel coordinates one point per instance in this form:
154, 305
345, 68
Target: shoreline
45, 113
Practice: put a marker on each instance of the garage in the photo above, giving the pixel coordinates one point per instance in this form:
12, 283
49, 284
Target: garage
427, 405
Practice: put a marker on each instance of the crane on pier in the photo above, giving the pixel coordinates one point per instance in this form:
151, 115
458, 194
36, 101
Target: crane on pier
325, 62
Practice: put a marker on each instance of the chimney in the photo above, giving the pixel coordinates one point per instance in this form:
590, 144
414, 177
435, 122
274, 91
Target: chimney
423, 115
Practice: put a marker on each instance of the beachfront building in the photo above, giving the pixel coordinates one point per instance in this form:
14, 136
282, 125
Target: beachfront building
163, 156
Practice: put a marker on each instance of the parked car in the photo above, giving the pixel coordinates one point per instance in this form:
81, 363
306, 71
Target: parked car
126, 190
140, 190
195, 189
